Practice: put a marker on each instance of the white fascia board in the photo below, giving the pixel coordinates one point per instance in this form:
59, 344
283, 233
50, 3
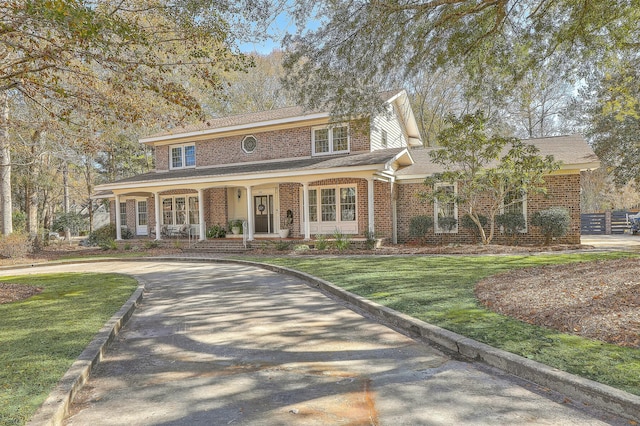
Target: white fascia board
242, 177
253, 126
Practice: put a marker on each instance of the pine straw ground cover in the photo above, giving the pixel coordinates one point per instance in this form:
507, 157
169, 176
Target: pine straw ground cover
440, 290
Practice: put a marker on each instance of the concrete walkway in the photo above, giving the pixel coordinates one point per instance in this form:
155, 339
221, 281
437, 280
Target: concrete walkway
218, 344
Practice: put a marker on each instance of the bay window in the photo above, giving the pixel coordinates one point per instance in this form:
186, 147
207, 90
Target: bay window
333, 207
180, 210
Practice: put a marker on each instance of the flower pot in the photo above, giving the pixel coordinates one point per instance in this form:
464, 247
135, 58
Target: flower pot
284, 233
235, 230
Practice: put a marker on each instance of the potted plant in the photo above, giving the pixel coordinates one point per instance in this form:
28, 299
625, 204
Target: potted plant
286, 224
236, 226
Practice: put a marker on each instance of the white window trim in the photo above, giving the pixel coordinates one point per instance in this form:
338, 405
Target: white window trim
182, 149
338, 205
174, 211
331, 151
436, 208
524, 213
243, 141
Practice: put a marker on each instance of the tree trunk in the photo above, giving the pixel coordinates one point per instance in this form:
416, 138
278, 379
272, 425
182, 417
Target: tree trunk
5, 167
32, 195
65, 182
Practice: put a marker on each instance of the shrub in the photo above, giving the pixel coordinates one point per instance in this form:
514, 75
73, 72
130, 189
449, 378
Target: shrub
553, 222
370, 240
15, 246
512, 224
151, 244
469, 224
420, 225
127, 246
341, 240
216, 231
447, 223
300, 247
72, 221
102, 235
109, 244
283, 245
321, 242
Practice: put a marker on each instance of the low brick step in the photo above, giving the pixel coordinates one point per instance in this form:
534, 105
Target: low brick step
218, 246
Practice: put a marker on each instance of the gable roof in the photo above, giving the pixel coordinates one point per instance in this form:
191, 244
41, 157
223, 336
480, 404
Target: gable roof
265, 118
572, 150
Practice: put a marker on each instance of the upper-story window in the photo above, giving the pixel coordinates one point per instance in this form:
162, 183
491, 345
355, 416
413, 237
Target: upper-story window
182, 156
330, 140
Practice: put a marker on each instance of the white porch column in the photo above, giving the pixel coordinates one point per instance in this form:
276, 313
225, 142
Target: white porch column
370, 204
249, 215
203, 231
156, 199
305, 211
118, 225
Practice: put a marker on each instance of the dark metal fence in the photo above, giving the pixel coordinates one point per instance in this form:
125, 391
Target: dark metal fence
593, 224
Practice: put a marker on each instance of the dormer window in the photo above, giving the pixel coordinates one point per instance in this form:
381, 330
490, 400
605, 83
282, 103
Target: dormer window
182, 156
330, 140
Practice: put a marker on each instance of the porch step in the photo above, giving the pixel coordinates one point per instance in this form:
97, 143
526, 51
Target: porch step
218, 246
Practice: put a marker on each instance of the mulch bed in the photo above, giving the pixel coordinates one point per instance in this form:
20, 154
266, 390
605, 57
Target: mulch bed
598, 300
15, 292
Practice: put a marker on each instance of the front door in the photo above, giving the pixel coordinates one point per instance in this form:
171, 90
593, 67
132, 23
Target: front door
263, 213
141, 218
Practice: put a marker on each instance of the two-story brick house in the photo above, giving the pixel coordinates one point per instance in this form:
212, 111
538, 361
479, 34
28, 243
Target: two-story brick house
299, 170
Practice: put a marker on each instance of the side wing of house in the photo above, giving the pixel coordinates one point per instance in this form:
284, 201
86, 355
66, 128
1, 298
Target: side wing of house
563, 190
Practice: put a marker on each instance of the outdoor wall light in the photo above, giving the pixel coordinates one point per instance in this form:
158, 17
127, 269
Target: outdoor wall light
239, 194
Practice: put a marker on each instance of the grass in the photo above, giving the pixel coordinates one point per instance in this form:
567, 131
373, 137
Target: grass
42, 336
439, 290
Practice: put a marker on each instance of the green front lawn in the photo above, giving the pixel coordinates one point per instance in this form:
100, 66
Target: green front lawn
42, 336
439, 290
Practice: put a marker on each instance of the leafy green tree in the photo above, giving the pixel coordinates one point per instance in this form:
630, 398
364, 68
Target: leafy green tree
76, 59
363, 46
486, 168
615, 121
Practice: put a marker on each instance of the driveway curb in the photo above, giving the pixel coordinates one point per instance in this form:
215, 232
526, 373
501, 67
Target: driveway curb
587, 392
56, 406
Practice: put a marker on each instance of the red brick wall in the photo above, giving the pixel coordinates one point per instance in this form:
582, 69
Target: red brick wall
383, 221
272, 145
216, 210
289, 197
562, 191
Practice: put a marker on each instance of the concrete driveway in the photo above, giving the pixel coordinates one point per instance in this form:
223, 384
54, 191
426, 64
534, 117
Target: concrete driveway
218, 344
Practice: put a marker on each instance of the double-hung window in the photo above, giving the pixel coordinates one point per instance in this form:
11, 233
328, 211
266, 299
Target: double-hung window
446, 210
515, 201
330, 140
182, 156
123, 214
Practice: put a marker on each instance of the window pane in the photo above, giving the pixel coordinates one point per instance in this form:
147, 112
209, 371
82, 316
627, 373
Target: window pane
194, 214
142, 213
176, 157
190, 156
313, 205
181, 212
340, 139
514, 202
328, 204
347, 204
446, 208
321, 138
123, 214
383, 138
167, 211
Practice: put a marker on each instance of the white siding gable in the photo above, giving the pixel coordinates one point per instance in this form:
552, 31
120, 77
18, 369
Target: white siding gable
391, 124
